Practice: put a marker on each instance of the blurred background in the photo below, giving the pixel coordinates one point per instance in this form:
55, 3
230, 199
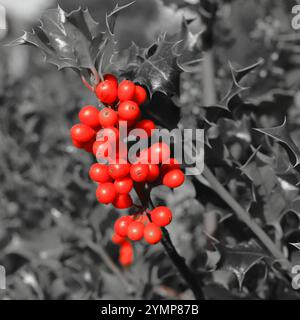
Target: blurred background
51, 226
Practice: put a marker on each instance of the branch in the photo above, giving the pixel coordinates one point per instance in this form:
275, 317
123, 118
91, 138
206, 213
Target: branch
244, 216
193, 281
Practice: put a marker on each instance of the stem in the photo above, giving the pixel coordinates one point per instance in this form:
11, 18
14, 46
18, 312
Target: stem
243, 215
193, 281
87, 84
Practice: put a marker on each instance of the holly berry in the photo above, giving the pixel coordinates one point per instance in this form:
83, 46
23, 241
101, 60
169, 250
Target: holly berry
126, 90
139, 172
135, 231
140, 95
89, 115
108, 134
159, 152
129, 110
126, 254
82, 133
77, 144
119, 170
121, 225
99, 173
123, 201
108, 117
161, 216
112, 78
171, 164
123, 185
116, 239
106, 91
152, 233
174, 178
147, 126
153, 172
106, 193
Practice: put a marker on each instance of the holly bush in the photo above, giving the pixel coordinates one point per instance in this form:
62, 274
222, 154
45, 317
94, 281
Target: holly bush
235, 227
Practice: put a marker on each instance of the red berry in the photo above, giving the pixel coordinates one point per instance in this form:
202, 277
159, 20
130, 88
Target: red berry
147, 126
89, 115
82, 133
107, 92
123, 185
152, 233
139, 172
119, 170
170, 164
88, 147
106, 193
123, 201
108, 117
174, 178
159, 152
116, 239
108, 134
140, 95
161, 216
153, 173
112, 78
135, 231
129, 110
126, 254
99, 173
121, 225
77, 144
126, 90
102, 150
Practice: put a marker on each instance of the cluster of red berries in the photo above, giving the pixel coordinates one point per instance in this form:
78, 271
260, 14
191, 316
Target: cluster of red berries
116, 178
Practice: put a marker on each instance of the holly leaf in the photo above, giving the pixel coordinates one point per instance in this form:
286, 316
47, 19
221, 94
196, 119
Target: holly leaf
71, 40
62, 41
236, 88
282, 136
160, 72
239, 259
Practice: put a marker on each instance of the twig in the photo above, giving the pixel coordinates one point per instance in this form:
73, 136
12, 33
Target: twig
244, 216
193, 281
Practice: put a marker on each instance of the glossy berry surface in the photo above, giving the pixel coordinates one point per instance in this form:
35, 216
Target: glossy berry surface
121, 225
129, 110
139, 172
147, 126
126, 90
173, 178
106, 193
82, 133
99, 173
152, 233
161, 216
106, 91
119, 170
135, 231
108, 117
123, 201
140, 95
123, 185
88, 115
112, 78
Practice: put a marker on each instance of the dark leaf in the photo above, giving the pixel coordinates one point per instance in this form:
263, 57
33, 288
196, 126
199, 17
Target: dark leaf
282, 136
240, 258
